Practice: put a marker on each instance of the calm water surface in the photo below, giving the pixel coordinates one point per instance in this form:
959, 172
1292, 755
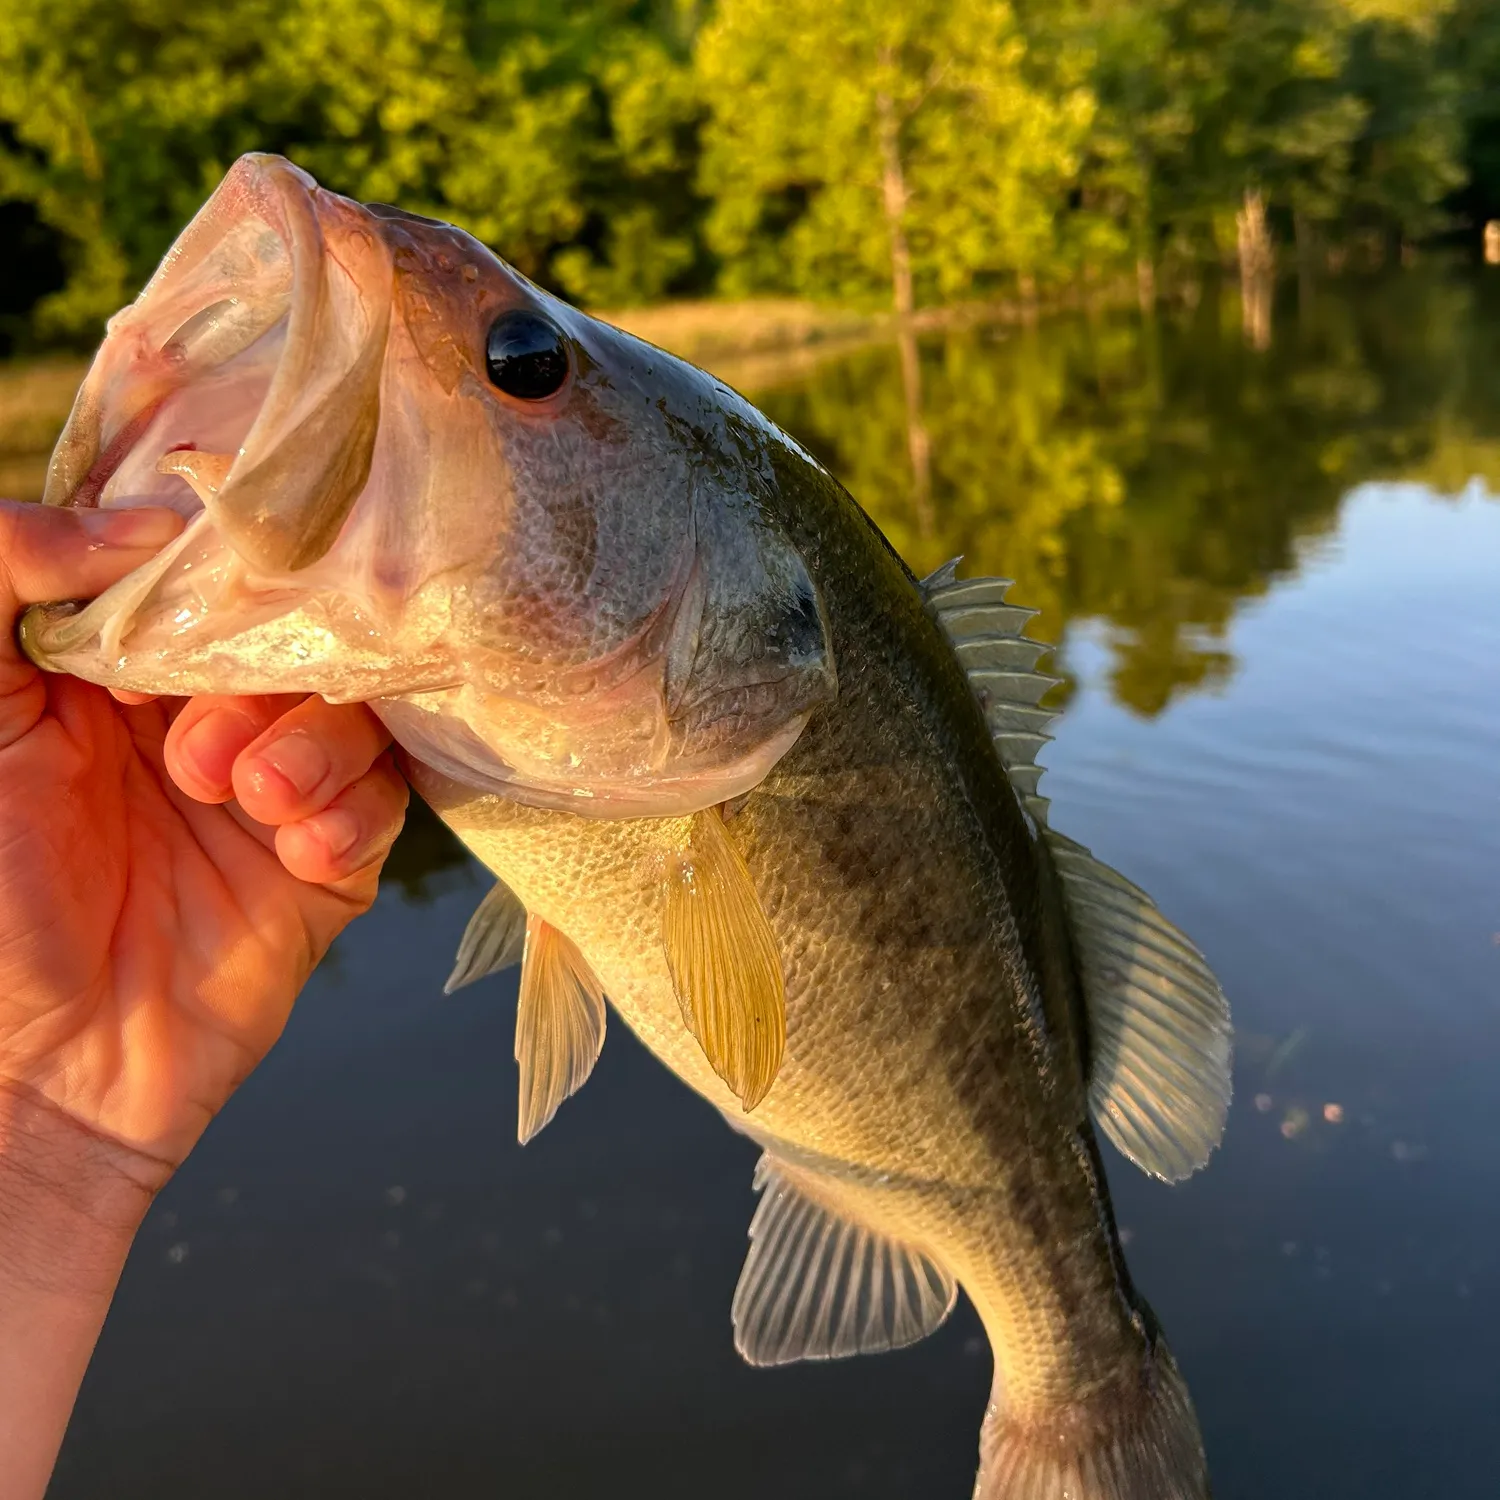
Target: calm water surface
1272, 575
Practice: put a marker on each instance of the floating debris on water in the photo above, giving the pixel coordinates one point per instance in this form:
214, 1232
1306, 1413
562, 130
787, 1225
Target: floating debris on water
1285, 1052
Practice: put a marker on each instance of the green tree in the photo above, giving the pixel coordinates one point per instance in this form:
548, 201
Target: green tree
1338, 115
556, 138
854, 147
1469, 47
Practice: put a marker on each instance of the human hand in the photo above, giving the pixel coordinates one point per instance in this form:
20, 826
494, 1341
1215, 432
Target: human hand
170, 873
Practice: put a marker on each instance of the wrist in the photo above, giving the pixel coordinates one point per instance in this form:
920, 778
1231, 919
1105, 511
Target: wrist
70, 1202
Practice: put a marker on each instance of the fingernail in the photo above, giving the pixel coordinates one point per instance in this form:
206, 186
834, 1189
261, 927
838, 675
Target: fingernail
338, 828
209, 748
300, 759
146, 527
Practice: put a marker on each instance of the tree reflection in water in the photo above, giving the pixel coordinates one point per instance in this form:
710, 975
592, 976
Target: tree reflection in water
1152, 474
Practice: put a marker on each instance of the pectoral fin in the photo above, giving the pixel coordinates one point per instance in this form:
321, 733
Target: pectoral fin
819, 1286
724, 961
494, 939
1159, 1032
559, 1025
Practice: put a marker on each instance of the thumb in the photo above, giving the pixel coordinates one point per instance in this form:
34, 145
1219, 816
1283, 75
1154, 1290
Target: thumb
52, 552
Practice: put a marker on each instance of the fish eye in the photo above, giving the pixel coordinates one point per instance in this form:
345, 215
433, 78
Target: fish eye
526, 355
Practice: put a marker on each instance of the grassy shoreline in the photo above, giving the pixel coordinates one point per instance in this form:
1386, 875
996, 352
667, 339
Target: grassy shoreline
751, 344
36, 393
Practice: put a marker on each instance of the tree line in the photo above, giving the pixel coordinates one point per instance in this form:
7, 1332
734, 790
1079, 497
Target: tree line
627, 151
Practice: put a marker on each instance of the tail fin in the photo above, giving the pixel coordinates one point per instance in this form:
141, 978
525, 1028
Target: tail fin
1141, 1444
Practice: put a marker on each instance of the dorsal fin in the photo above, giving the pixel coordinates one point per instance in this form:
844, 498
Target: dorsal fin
819, 1286
494, 939
1160, 1041
724, 962
986, 634
559, 1025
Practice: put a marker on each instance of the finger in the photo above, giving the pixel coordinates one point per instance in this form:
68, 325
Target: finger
209, 733
352, 834
129, 699
48, 552
304, 760
52, 552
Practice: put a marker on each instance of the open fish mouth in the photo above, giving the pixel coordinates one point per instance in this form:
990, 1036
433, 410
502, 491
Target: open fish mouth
556, 587
241, 389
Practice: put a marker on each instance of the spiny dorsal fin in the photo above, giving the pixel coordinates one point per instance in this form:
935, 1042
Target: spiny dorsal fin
819, 1286
1159, 1034
1158, 1023
985, 633
493, 940
559, 1025
725, 965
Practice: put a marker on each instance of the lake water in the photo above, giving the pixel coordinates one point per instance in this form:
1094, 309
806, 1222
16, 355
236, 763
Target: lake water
1273, 578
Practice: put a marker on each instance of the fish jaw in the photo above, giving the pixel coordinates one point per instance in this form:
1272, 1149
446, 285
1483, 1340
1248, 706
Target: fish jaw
259, 342
587, 591
240, 389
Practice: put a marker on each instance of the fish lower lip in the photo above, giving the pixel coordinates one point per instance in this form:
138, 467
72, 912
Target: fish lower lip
103, 468
41, 619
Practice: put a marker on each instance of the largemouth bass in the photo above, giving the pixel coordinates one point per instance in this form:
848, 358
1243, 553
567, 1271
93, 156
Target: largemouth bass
733, 765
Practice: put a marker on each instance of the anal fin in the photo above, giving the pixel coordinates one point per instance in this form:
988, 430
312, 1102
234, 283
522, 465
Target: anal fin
817, 1285
725, 965
559, 1025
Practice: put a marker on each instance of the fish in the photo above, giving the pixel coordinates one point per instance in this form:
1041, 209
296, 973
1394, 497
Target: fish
741, 778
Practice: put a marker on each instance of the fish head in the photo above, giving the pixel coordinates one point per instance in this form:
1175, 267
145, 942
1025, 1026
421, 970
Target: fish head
551, 556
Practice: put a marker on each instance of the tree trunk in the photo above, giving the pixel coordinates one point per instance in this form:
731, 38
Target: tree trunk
1145, 284
893, 184
893, 192
1256, 263
917, 442
1026, 285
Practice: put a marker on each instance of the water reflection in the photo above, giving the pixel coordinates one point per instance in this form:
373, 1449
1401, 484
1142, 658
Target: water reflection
1154, 473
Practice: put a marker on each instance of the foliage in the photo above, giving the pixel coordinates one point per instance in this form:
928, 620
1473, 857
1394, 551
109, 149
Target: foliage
628, 150
806, 192
1341, 113
118, 116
